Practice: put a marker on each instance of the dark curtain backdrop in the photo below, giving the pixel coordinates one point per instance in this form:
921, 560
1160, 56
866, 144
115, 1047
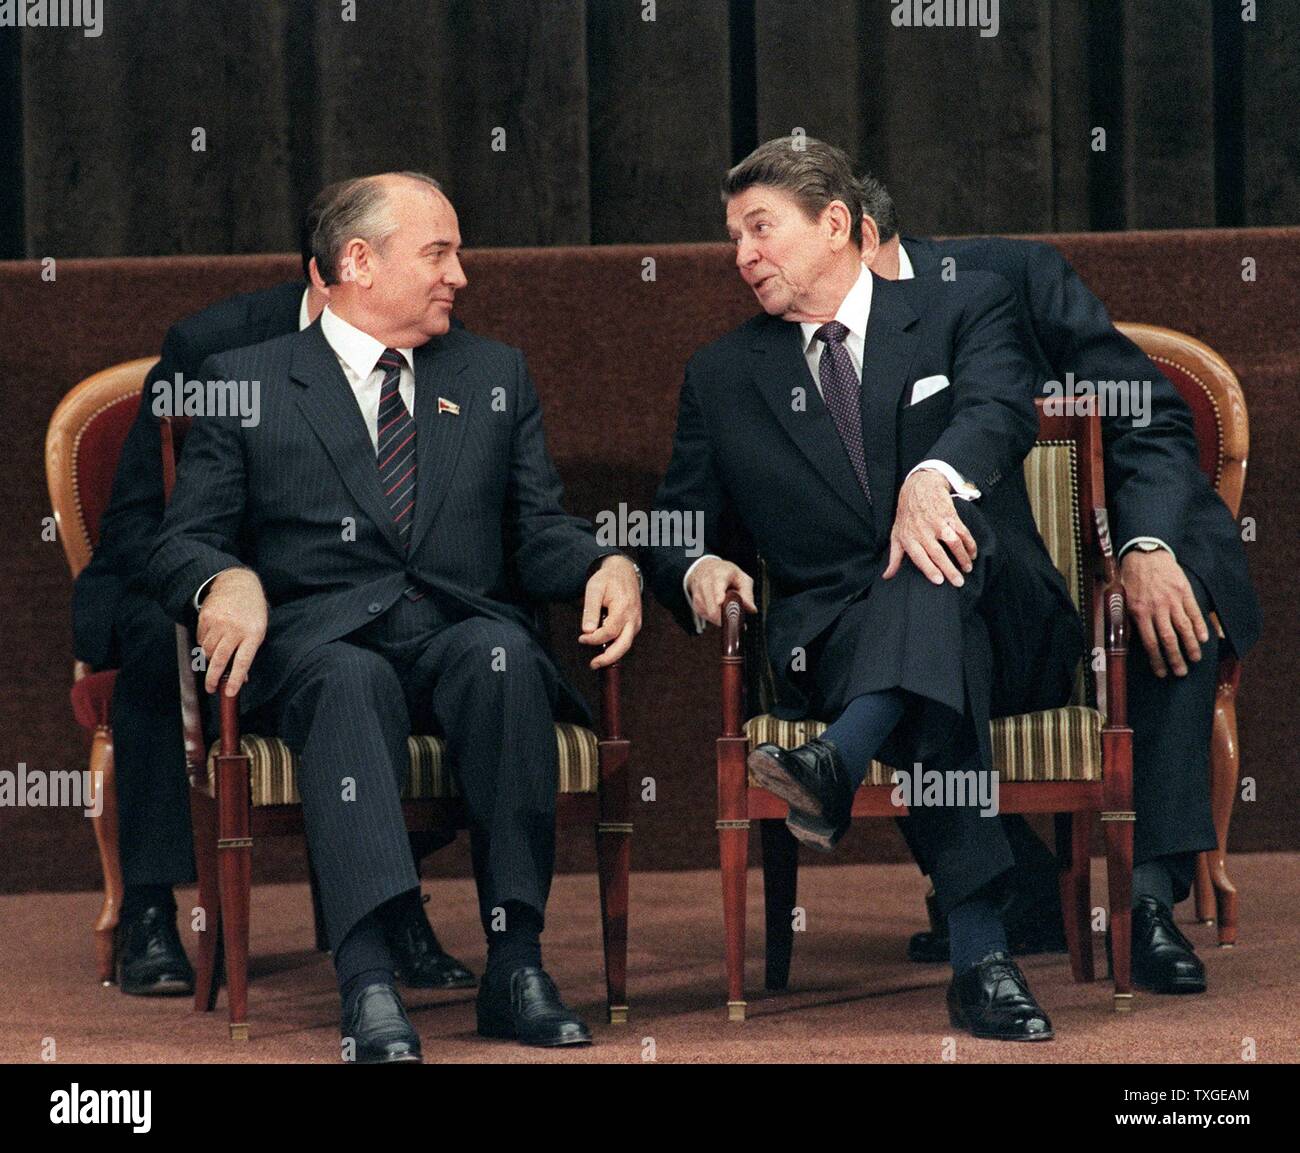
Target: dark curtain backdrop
617, 127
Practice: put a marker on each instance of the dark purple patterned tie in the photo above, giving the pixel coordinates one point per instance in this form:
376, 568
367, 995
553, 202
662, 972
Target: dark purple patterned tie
396, 446
842, 392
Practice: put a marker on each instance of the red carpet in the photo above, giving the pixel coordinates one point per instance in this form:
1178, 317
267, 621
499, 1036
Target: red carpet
853, 995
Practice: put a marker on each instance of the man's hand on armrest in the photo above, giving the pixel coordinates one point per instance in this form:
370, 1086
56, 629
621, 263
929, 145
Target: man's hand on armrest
615, 587
927, 529
232, 625
707, 585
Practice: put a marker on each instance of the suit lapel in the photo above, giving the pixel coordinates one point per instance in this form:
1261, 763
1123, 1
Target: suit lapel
778, 365
887, 355
329, 405
438, 376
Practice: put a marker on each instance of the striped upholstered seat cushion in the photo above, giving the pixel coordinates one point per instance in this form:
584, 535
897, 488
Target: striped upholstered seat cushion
272, 779
1056, 745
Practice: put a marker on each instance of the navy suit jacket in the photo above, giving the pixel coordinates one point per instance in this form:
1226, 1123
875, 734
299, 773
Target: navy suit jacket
1154, 486
129, 526
297, 497
747, 458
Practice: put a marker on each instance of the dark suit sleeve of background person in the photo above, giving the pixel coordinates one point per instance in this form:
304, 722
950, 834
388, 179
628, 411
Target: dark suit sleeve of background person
200, 530
1150, 468
691, 487
550, 553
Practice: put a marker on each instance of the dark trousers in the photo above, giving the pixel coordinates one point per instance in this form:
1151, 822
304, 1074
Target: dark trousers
347, 710
1172, 718
155, 842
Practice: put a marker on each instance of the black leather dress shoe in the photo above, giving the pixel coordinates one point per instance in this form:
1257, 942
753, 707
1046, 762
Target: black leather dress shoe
419, 959
379, 1029
1032, 920
526, 1007
1163, 959
993, 1001
151, 961
812, 780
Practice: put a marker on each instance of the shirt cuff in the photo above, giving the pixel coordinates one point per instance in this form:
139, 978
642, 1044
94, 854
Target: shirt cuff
700, 622
203, 588
960, 486
1155, 540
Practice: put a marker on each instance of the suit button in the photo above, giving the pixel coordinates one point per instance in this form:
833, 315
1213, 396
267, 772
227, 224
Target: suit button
374, 607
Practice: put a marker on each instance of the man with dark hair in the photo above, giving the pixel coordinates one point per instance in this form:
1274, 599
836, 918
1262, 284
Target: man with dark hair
1181, 557
896, 612
116, 624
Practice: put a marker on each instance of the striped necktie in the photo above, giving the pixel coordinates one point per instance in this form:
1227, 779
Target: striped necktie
396, 454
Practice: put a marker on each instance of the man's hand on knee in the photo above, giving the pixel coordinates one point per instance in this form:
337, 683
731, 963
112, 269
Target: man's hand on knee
232, 625
710, 582
927, 529
1164, 609
615, 588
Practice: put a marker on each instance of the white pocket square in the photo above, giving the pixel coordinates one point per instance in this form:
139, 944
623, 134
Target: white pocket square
928, 386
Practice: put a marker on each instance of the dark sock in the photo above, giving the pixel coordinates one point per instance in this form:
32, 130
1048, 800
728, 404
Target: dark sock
136, 898
362, 959
518, 944
862, 727
1152, 879
974, 931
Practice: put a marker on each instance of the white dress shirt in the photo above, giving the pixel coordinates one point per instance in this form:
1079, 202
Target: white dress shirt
358, 355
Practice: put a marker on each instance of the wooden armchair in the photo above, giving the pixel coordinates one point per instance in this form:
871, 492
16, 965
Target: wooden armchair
1075, 761
82, 444
1213, 393
244, 787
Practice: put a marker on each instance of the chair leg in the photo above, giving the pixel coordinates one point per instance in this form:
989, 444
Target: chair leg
614, 857
103, 784
1225, 769
1075, 829
317, 910
207, 979
780, 885
1203, 890
733, 842
235, 877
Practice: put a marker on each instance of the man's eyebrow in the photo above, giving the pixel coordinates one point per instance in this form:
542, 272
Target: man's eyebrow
436, 244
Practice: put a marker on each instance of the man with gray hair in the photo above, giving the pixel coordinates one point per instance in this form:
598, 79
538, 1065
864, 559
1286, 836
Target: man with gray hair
364, 562
834, 431
1181, 557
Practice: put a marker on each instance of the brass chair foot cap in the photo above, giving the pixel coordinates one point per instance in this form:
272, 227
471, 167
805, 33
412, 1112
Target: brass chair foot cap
239, 1032
1123, 1002
736, 1010
618, 1014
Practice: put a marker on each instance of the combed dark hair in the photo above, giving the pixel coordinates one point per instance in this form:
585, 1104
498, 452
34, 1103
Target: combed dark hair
879, 205
813, 172
350, 208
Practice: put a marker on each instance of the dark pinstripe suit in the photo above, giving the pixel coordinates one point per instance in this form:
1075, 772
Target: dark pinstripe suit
349, 665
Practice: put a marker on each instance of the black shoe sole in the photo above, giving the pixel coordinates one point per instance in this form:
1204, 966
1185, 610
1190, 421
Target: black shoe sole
959, 1023
814, 832
770, 775
1178, 987
505, 1031
404, 1059
175, 988
406, 983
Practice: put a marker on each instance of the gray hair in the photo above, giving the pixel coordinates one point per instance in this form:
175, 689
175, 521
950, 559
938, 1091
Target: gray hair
813, 172
354, 208
879, 205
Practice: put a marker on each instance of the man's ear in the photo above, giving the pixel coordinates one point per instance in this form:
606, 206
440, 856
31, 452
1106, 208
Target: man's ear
870, 240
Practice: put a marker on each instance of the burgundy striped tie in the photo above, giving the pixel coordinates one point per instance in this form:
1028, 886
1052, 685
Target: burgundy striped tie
396, 446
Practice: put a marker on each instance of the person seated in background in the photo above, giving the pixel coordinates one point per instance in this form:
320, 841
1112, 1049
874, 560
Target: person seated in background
116, 624
1181, 557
